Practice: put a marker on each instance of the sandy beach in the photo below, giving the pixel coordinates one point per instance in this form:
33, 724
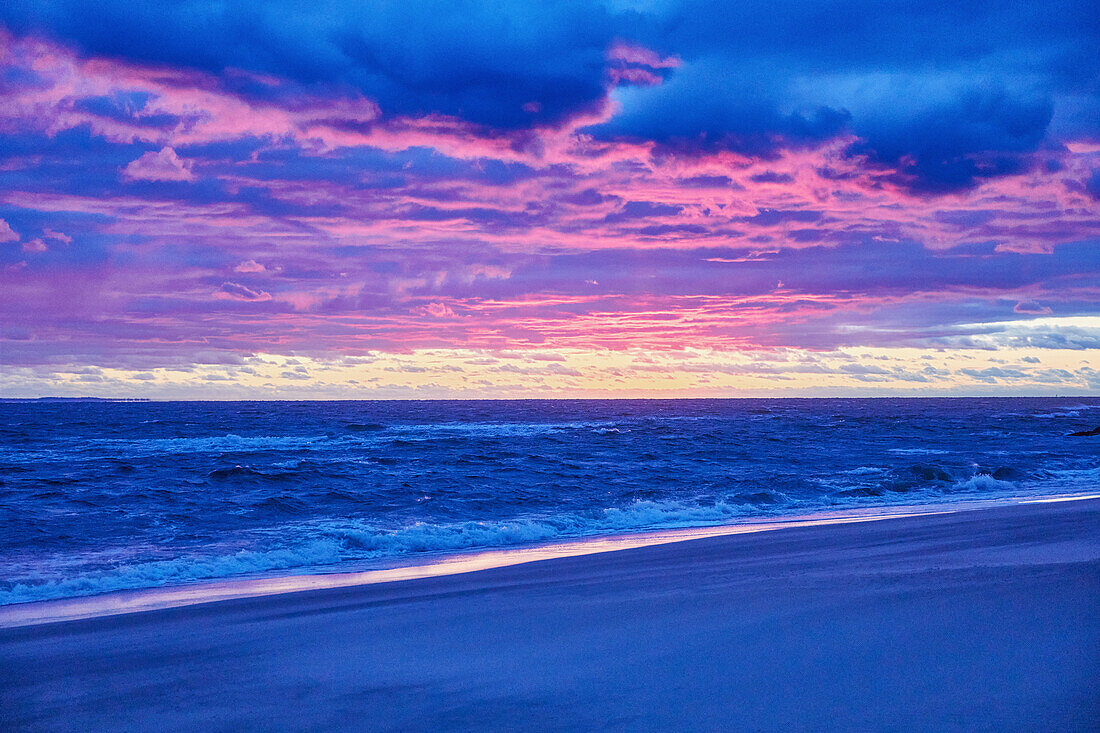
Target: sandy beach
977, 620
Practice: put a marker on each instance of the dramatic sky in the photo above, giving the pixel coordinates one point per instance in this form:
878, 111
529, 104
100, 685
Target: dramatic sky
211, 199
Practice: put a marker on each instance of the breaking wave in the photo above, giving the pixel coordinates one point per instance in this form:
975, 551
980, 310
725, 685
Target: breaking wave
114, 496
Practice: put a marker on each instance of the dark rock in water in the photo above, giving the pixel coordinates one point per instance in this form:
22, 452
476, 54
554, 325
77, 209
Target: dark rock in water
1085, 433
929, 472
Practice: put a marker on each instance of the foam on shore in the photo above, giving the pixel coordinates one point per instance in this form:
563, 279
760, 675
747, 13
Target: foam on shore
148, 599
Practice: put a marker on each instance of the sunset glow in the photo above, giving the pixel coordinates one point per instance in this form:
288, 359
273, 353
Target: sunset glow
569, 200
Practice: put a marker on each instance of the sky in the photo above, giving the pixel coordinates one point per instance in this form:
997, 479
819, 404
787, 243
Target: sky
418, 199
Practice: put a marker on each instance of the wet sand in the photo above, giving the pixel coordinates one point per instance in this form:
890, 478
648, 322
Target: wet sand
984, 619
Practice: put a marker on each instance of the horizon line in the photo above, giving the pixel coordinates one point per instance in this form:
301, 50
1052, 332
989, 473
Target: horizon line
56, 398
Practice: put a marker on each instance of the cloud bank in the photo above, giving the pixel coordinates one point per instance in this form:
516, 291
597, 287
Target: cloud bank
183, 179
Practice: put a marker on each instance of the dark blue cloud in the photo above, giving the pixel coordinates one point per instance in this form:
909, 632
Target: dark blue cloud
700, 110
642, 210
704, 181
965, 218
1092, 184
125, 107
665, 230
853, 269
375, 168
940, 94
981, 134
74, 160
772, 217
507, 66
77, 162
772, 177
587, 197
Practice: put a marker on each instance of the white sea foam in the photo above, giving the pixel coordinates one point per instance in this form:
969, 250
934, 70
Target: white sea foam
166, 572
491, 429
328, 543
985, 483
864, 471
349, 491
230, 443
233, 443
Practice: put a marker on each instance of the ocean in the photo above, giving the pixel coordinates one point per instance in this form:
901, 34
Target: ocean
101, 496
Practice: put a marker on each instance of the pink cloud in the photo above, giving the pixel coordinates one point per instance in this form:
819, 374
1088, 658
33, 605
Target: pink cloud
7, 234
236, 291
1032, 308
633, 75
57, 236
387, 258
436, 310
161, 166
640, 55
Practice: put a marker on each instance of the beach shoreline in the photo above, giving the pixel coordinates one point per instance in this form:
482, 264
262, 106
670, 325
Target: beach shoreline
982, 619
140, 600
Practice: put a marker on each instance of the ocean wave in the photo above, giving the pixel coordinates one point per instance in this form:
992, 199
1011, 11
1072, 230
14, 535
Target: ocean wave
357, 434
864, 471
429, 431
123, 501
172, 572
983, 482
329, 543
918, 451
229, 443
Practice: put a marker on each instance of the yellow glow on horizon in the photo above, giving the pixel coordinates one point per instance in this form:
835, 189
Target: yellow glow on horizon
689, 372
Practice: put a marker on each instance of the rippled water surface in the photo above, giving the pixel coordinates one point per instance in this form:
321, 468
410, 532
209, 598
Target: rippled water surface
97, 496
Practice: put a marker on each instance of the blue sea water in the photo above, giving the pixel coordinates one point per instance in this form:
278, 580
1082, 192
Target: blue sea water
100, 496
